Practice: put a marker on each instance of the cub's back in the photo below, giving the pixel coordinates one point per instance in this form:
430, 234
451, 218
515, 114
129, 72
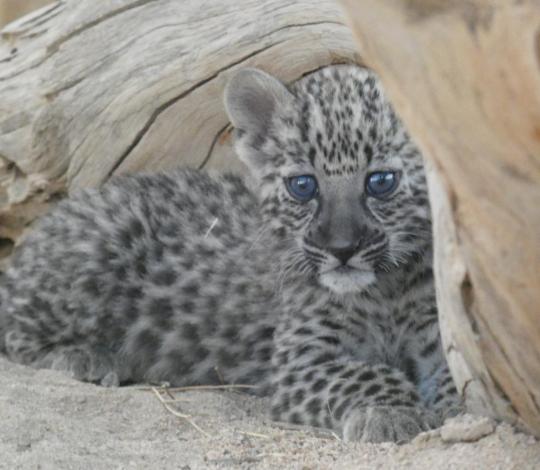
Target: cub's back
139, 245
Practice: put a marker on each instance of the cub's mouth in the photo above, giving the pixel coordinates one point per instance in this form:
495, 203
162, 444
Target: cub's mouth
344, 269
346, 279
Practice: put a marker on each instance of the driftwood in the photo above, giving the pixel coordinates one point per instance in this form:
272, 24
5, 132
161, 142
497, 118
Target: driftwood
465, 77
90, 89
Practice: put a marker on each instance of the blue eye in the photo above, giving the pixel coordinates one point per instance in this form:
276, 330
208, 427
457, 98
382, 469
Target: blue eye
381, 183
302, 187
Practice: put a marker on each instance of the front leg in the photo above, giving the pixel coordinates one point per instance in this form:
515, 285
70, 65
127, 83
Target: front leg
438, 393
425, 365
315, 384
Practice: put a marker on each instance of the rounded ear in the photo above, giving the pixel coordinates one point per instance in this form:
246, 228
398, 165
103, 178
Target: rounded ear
252, 98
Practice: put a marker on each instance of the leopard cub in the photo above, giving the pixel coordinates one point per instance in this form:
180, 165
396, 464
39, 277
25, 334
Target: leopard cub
311, 279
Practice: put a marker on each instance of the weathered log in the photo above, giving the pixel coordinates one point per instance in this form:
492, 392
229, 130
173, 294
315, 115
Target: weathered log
465, 77
91, 89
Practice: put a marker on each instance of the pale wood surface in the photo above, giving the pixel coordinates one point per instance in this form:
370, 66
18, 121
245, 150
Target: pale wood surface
94, 88
465, 77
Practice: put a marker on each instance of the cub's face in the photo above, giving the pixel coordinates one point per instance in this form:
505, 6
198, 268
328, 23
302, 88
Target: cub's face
338, 176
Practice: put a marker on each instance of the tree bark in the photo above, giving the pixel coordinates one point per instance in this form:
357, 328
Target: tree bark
465, 77
91, 89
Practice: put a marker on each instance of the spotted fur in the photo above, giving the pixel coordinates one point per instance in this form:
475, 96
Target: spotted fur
193, 278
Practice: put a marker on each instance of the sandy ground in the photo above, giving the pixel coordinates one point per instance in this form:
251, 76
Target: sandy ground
48, 421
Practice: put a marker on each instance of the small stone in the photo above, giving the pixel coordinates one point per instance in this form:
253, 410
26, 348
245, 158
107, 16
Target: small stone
426, 436
24, 446
466, 428
110, 380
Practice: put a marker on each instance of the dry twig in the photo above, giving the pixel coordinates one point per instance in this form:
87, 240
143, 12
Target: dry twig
176, 412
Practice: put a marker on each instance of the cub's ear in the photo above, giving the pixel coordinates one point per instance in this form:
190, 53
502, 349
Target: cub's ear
252, 97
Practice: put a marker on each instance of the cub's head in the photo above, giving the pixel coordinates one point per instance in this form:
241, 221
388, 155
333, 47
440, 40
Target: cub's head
338, 176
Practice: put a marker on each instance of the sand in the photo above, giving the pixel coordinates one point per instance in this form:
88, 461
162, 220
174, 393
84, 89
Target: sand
48, 421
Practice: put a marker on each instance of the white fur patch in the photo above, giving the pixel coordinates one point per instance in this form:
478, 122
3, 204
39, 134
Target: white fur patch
343, 282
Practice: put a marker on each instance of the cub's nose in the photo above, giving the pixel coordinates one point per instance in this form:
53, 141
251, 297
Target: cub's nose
344, 253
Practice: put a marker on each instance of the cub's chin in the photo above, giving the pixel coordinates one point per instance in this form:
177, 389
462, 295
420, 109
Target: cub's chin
346, 280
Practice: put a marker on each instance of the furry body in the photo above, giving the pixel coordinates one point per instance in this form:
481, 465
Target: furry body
326, 304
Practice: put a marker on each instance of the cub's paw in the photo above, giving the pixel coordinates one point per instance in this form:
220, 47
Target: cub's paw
82, 364
387, 423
